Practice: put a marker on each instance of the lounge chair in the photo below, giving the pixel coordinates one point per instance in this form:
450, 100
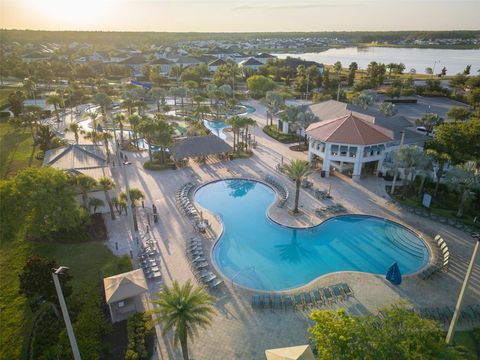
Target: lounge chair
298, 300
327, 294
266, 300
287, 301
277, 302
255, 301
215, 283
198, 259
308, 298
209, 278
346, 289
336, 291
318, 297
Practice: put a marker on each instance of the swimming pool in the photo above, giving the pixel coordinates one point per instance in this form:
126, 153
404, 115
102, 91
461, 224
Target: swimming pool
257, 253
217, 127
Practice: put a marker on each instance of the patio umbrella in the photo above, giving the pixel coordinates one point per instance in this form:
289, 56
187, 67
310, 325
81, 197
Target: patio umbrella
303, 352
394, 275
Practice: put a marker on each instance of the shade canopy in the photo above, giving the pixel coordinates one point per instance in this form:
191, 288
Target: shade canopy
124, 286
394, 275
302, 352
199, 146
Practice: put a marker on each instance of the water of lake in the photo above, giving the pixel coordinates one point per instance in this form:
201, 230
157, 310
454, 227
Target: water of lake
454, 60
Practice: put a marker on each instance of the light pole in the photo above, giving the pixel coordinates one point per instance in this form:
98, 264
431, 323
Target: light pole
396, 165
458, 307
63, 306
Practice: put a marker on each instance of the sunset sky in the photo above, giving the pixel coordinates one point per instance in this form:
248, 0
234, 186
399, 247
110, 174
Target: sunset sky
240, 15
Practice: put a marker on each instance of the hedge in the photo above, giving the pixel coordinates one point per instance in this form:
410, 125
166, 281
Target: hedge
272, 131
139, 334
401, 101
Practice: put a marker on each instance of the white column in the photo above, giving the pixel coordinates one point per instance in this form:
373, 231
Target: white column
357, 166
326, 159
285, 127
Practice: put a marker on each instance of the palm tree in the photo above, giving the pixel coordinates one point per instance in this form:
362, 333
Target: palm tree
107, 184
135, 195
164, 134
429, 121
56, 101
129, 105
104, 101
134, 120
93, 136
407, 158
95, 203
75, 129
85, 184
119, 119
441, 158
296, 170
289, 115
92, 115
44, 137
105, 137
247, 121
184, 310
236, 123
158, 94
273, 101
148, 128
464, 178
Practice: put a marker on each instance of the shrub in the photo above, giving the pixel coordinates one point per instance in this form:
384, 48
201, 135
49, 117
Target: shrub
138, 335
272, 131
4, 114
388, 109
157, 166
400, 101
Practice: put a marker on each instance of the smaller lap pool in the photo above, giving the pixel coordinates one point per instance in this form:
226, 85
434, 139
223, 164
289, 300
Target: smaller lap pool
216, 127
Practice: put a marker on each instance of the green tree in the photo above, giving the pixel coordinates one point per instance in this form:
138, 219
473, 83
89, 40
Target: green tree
56, 101
15, 101
103, 100
41, 213
106, 137
92, 115
148, 128
183, 310
94, 203
458, 113
259, 85
297, 170
106, 184
464, 178
85, 184
74, 129
352, 69
119, 119
164, 134
407, 158
429, 121
44, 138
36, 282
236, 123
398, 334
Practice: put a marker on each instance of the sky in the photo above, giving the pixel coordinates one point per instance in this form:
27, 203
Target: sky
240, 15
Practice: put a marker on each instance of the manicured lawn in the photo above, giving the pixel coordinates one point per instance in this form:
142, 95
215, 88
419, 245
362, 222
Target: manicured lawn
4, 92
16, 150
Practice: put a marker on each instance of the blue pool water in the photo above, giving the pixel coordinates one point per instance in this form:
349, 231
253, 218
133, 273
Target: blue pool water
259, 254
216, 127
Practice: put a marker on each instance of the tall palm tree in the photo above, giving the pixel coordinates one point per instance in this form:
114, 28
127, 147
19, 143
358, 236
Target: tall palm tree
134, 121
44, 137
183, 309
135, 196
119, 119
92, 115
289, 115
56, 101
297, 170
164, 134
273, 101
236, 123
94, 203
247, 122
148, 128
85, 184
75, 129
158, 94
128, 104
93, 136
441, 158
107, 184
464, 178
105, 137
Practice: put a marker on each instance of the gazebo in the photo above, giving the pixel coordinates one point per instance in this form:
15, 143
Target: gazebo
348, 143
124, 294
199, 146
302, 352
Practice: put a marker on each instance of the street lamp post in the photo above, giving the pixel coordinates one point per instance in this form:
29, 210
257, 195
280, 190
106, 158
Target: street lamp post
63, 306
396, 165
458, 307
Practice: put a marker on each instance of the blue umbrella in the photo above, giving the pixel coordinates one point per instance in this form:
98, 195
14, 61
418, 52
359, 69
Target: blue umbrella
394, 275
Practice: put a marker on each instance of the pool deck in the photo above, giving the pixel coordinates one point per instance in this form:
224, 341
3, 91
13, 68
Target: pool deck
240, 332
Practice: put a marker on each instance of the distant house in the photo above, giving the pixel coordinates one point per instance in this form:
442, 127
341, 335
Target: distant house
186, 61
136, 63
264, 57
164, 65
295, 62
213, 66
251, 63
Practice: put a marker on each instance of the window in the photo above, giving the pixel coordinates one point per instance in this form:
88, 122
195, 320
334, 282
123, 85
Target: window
366, 151
322, 147
373, 150
343, 150
334, 149
352, 151
381, 148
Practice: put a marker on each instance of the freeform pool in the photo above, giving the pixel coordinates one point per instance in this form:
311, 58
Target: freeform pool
257, 253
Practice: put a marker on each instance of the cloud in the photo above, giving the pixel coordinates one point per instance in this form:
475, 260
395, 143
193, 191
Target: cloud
293, 5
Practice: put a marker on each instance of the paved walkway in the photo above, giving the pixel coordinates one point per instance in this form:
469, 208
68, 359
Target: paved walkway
238, 331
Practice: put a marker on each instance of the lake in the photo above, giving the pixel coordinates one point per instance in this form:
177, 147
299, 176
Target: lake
454, 60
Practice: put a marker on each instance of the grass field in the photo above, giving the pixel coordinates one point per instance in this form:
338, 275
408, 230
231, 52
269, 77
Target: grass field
16, 150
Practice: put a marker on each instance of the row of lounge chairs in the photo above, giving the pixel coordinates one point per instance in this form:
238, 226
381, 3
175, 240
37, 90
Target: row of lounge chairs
184, 203
282, 191
199, 264
150, 261
442, 262
470, 314
321, 194
334, 209
318, 297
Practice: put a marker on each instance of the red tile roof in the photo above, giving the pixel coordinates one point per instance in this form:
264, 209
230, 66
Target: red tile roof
349, 129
